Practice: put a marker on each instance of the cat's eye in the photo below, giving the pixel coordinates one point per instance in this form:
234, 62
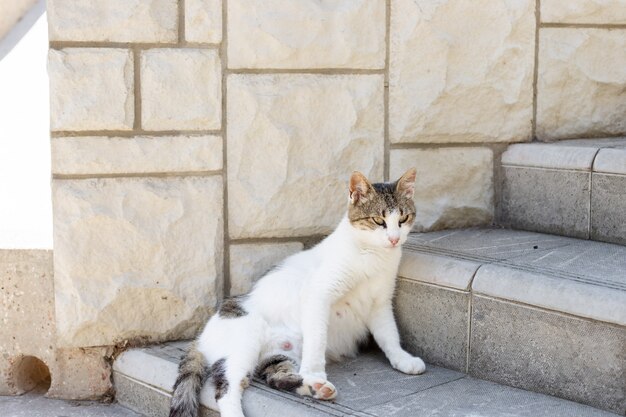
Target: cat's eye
403, 219
379, 221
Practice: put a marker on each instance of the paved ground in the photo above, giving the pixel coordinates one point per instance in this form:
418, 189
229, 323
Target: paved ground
34, 404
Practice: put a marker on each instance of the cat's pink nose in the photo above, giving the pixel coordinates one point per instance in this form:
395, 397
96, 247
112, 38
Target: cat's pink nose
394, 240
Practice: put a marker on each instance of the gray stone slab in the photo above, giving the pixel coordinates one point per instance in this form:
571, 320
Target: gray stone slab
608, 208
369, 380
581, 260
566, 295
581, 360
34, 404
545, 200
437, 270
362, 382
433, 322
473, 397
484, 244
584, 261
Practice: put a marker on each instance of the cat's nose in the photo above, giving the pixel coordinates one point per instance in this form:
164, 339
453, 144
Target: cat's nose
394, 240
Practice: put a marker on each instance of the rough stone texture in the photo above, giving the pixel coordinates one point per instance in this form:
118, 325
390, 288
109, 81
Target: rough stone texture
454, 186
12, 11
110, 155
250, 261
306, 34
293, 141
113, 20
135, 257
91, 89
433, 323
576, 359
181, 89
580, 89
461, 71
203, 21
608, 208
559, 206
583, 11
27, 297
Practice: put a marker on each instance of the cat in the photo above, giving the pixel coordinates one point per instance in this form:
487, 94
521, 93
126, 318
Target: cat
316, 305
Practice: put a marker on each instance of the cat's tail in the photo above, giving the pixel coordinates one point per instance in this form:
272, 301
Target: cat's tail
193, 371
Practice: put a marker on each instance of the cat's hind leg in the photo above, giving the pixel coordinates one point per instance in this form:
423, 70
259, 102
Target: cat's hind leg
281, 372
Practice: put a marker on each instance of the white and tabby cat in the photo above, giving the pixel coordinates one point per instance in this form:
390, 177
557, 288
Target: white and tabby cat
318, 304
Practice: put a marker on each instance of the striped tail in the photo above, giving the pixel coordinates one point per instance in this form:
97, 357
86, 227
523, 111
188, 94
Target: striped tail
193, 371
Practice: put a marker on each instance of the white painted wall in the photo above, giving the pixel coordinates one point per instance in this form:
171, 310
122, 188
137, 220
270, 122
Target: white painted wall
25, 204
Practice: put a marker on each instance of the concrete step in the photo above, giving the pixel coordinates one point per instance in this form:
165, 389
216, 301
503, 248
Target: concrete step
540, 312
367, 387
571, 188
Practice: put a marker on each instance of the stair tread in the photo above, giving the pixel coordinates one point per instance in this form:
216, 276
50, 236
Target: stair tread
367, 386
536, 268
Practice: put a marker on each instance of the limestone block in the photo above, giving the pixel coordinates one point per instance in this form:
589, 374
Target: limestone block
454, 186
135, 258
111, 155
27, 297
203, 21
181, 89
580, 89
293, 140
461, 71
306, 34
113, 20
583, 11
91, 89
250, 261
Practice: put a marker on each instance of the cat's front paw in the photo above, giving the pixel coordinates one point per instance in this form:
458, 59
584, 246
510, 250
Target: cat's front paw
409, 364
317, 388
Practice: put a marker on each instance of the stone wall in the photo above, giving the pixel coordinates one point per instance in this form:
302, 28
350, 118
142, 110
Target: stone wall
197, 142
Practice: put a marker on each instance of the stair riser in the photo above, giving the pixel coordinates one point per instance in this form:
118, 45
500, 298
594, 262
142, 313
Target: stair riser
545, 200
526, 347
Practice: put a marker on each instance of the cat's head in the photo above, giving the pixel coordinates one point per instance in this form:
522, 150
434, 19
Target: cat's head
382, 214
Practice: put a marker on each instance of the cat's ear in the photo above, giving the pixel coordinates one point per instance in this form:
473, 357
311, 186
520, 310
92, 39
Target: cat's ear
405, 186
360, 188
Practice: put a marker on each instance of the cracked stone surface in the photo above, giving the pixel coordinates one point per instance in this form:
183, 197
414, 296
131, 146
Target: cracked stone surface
461, 71
306, 34
135, 257
91, 89
580, 89
293, 141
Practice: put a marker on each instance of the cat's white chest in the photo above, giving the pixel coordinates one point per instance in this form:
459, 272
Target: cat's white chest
348, 321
